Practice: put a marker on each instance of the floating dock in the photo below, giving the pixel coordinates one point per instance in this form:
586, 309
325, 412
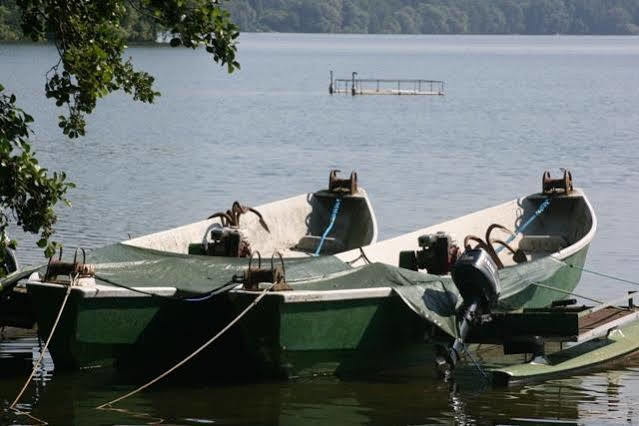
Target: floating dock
595, 337
379, 86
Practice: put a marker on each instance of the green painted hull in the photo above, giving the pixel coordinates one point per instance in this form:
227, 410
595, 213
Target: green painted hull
275, 339
95, 332
564, 279
342, 337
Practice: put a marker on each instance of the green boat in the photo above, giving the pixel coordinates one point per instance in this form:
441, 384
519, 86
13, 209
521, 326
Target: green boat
362, 307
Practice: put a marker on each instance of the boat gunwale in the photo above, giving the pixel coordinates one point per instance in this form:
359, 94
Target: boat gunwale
301, 296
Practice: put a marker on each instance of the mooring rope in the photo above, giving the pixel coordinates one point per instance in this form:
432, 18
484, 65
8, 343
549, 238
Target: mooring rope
188, 358
570, 293
600, 274
336, 206
46, 345
472, 358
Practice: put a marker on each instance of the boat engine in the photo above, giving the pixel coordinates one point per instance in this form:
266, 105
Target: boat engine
475, 276
226, 242
437, 255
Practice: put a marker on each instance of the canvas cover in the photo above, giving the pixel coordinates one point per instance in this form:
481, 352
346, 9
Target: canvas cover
435, 298
432, 297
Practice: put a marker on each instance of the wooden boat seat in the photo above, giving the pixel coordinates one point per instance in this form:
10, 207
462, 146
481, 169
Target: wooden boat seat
542, 243
309, 243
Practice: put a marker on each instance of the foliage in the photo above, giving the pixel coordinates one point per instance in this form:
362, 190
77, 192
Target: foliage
402, 16
27, 191
90, 37
9, 21
440, 16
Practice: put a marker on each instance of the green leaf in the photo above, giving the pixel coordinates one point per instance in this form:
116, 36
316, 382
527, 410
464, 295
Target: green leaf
49, 251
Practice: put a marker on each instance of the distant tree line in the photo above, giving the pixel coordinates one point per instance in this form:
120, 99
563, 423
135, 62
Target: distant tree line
439, 16
401, 17
134, 25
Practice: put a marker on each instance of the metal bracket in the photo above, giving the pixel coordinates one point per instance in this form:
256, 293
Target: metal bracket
76, 269
553, 186
343, 186
276, 274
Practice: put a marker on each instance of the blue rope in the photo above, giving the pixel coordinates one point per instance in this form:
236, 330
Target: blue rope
336, 206
521, 229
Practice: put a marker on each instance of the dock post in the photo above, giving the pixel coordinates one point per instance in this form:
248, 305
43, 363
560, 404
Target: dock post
330, 86
353, 92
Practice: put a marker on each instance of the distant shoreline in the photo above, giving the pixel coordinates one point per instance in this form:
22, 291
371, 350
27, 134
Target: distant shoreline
428, 17
158, 43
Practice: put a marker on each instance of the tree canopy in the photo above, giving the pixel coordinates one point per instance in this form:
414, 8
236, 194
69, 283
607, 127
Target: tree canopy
399, 16
439, 16
91, 45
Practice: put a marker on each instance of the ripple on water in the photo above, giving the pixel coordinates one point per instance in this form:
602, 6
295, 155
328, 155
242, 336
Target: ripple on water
514, 106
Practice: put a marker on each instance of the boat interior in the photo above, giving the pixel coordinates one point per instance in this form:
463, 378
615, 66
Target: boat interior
292, 226
565, 221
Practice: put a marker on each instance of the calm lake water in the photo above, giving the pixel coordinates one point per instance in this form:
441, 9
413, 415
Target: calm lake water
514, 107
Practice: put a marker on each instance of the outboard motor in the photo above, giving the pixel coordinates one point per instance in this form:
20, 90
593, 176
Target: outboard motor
475, 275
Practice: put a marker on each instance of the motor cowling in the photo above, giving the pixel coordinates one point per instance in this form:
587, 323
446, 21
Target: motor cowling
475, 275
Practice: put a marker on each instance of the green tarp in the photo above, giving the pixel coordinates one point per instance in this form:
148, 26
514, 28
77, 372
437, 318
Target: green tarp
435, 298
432, 297
140, 267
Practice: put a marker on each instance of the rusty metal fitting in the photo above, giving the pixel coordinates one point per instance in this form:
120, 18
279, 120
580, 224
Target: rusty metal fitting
344, 186
75, 269
232, 216
554, 186
276, 274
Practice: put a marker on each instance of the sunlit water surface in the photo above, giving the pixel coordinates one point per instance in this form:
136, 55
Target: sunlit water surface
514, 106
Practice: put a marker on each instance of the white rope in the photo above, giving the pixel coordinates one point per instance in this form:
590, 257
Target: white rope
570, 293
44, 349
197, 351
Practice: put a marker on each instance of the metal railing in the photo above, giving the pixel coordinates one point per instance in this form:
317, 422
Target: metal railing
383, 86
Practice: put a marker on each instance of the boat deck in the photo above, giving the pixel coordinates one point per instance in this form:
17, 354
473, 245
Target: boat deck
605, 317
572, 324
597, 336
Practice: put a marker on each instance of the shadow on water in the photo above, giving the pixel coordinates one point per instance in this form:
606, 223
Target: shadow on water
71, 397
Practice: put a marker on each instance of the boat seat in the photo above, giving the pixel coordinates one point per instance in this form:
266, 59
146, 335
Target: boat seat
309, 243
542, 243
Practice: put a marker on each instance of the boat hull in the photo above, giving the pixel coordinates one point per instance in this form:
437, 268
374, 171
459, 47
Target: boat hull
283, 336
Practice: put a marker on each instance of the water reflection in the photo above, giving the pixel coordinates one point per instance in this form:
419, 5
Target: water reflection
509, 116
71, 398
